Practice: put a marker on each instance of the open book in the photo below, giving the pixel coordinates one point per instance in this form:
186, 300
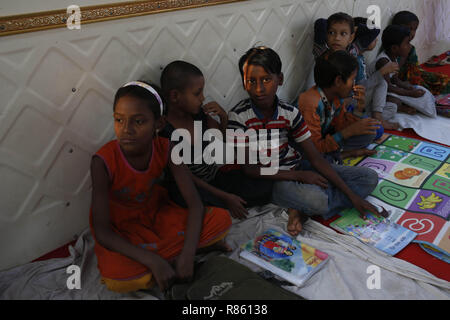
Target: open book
378, 232
290, 259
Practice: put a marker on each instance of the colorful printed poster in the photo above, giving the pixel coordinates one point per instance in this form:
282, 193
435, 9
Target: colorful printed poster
290, 259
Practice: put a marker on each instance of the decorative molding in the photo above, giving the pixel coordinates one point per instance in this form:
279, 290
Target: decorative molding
57, 18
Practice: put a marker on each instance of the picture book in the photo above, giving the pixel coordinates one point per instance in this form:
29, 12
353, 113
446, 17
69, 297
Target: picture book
414, 188
290, 259
378, 232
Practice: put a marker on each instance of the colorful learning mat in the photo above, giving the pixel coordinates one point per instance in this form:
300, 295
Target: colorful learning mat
414, 187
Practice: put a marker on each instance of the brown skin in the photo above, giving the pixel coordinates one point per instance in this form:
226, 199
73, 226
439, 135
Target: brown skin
183, 106
135, 127
395, 85
341, 89
262, 87
339, 36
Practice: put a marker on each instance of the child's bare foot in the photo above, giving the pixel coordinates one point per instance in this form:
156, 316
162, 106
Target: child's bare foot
406, 109
390, 125
357, 153
295, 222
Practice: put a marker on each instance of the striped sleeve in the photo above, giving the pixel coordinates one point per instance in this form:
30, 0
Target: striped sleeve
236, 123
299, 128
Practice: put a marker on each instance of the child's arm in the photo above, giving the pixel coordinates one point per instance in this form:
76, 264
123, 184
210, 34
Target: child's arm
325, 169
212, 109
397, 86
234, 203
110, 240
185, 261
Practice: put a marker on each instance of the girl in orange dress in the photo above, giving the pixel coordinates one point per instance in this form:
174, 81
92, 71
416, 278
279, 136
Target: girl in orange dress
141, 237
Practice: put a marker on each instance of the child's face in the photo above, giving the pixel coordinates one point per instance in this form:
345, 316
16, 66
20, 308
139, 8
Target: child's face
191, 98
261, 85
134, 125
403, 49
344, 89
413, 27
372, 45
339, 36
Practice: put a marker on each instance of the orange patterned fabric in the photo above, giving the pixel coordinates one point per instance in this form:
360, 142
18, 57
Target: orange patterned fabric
141, 212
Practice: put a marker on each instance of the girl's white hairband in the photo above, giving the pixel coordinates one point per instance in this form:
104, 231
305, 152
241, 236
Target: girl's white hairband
149, 88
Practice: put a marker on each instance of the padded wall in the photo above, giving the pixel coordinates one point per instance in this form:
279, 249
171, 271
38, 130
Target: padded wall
57, 87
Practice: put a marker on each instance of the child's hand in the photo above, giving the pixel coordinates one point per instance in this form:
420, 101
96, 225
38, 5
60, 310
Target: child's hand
363, 206
390, 67
416, 93
360, 96
235, 205
163, 273
184, 266
361, 127
213, 108
310, 177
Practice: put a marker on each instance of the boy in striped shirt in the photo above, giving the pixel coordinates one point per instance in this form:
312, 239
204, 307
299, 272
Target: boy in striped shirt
305, 188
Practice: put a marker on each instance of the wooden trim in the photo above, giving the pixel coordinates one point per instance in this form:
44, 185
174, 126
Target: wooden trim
57, 18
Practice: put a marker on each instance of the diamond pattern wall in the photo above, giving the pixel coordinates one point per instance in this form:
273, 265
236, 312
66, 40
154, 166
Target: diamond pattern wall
57, 89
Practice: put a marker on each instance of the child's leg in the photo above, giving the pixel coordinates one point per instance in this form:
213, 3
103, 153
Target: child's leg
381, 106
255, 191
361, 180
314, 200
356, 146
401, 107
166, 238
295, 222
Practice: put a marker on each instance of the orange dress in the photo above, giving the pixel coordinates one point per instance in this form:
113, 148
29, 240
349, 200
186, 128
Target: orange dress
141, 212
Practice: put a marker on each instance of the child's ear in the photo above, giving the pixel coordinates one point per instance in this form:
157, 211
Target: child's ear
174, 96
338, 82
281, 78
353, 35
160, 123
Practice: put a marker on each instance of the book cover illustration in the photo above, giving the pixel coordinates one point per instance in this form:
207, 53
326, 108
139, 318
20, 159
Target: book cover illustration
288, 258
378, 232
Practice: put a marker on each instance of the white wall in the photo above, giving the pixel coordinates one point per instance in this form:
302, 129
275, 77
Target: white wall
57, 86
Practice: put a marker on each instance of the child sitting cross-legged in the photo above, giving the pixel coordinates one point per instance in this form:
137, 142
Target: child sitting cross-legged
305, 188
141, 237
182, 84
437, 83
335, 132
399, 96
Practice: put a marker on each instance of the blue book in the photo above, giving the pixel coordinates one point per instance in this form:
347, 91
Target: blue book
288, 258
375, 231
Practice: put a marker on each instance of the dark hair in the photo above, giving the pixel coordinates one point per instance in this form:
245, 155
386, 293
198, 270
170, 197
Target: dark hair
359, 21
404, 18
341, 17
365, 36
394, 35
339, 63
176, 76
143, 94
261, 56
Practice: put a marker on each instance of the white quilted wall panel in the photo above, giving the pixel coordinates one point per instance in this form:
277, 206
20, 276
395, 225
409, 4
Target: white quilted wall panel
57, 87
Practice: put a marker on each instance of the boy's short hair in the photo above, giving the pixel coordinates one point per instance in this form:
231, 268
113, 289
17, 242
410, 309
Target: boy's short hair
143, 94
404, 18
176, 74
261, 56
394, 35
339, 63
341, 17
